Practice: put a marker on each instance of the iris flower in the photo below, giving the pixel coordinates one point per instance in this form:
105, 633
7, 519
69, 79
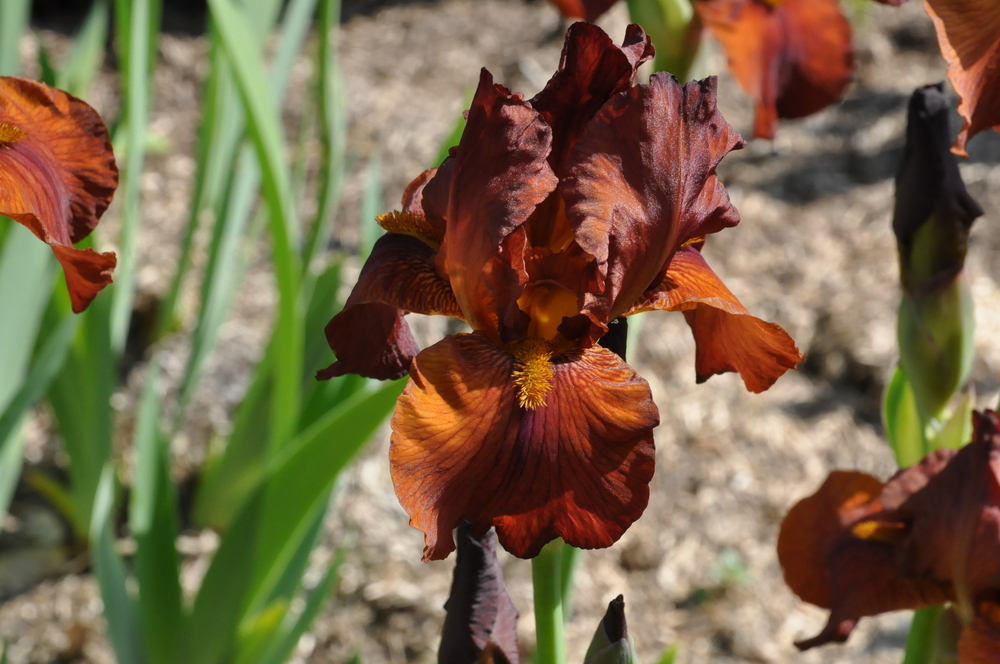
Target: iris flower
968, 33
929, 535
57, 176
552, 218
794, 57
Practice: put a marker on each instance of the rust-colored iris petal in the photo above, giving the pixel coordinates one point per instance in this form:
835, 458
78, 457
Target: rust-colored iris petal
793, 57
643, 183
969, 36
577, 467
728, 338
588, 10
57, 177
370, 336
932, 535
828, 564
419, 201
812, 528
591, 70
498, 175
980, 640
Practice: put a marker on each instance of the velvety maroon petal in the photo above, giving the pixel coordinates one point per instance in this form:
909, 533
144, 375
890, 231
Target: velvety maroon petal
793, 57
591, 70
577, 467
643, 183
969, 36
370, 336
588, 10
433, 211
728, 338
57, 176
499, 175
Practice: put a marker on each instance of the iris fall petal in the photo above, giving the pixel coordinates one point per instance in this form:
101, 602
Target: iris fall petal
728, 338
577, 467
57, 177
794, 57
370, 336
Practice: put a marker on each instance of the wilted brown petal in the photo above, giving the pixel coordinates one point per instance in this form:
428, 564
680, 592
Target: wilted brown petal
370, 336
643, 183
794, 57
577, 467
57, 177
728, 338
499, 175
969, 36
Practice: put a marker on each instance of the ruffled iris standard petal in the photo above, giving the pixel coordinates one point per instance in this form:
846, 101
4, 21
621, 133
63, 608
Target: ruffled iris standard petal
57, 177
498, 175
969, 36
980, 641
794, 57
643, 183
370, 336
577, 467
728, 338
591, 70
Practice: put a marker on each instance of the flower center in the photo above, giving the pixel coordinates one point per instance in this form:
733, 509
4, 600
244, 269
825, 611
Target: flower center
547, 303
411, 224
10, 133
532, 371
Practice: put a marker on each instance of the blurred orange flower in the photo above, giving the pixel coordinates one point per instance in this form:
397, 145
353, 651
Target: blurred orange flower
794, 57
552, 218
968, 33
57, 176
929, 535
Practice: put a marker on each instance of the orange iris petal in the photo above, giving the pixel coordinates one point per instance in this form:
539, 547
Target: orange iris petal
577, 467
728, 338
793, 58
370, 336
57, 177
969, 36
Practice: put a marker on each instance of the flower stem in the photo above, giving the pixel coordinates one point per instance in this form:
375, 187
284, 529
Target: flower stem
546, 576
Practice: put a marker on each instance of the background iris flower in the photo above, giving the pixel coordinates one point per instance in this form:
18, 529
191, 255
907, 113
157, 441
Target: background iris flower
57, 177
552, 218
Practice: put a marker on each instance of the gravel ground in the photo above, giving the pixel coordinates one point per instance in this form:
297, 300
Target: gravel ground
814, 253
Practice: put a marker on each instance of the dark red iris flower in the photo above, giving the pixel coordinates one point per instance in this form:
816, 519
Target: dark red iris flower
57, 176
929, 535
794, 57
552, 218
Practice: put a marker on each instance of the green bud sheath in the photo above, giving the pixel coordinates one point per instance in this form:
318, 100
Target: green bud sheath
931, 220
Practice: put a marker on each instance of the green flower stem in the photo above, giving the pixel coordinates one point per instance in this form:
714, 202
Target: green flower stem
546, 576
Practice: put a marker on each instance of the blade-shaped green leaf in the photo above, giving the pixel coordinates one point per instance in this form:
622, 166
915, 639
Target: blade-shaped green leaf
87, 54
901, 420
267, 533
153, 521
120, 610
